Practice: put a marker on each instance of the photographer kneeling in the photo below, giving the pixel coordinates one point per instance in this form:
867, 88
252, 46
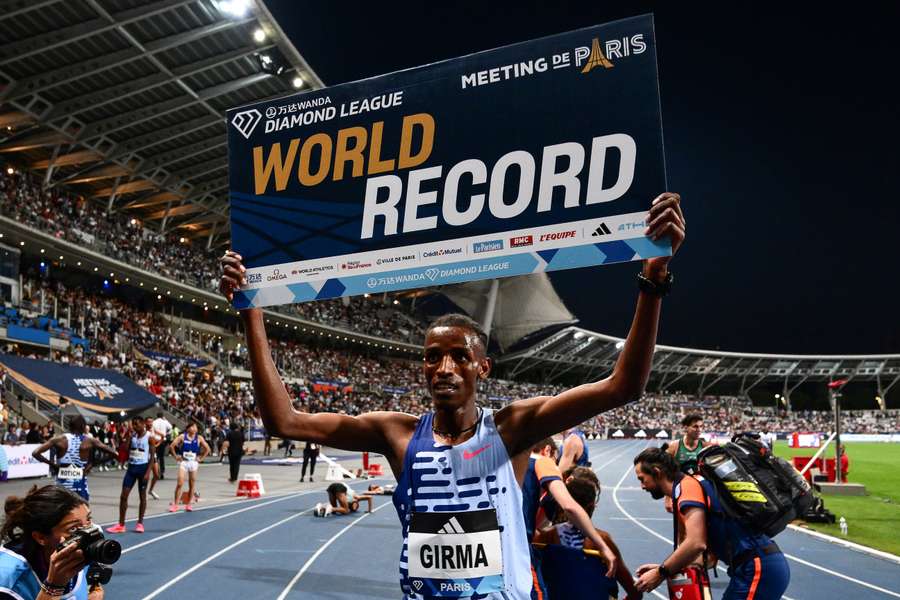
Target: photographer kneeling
51, 549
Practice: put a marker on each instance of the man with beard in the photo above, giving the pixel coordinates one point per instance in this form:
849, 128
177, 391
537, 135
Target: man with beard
758, 569
460, 468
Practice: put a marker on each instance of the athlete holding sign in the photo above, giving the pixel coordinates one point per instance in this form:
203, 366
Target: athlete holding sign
460, 468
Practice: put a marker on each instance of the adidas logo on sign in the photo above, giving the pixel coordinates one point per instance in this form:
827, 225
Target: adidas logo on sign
451, 526
602, 230
246, 121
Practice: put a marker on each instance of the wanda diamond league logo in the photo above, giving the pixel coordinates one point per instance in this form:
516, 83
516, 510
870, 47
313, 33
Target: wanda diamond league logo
246, 121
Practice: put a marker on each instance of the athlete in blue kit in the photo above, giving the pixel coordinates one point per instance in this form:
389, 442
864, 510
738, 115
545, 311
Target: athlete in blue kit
141, 456
460, 467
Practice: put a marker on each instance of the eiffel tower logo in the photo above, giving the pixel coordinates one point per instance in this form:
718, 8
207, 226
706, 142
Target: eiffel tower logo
597, 58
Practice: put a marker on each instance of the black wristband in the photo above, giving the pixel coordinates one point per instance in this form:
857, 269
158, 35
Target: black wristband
648, 286
663, 571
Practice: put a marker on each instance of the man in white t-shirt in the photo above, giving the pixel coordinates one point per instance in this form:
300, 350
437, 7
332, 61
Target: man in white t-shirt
162, 427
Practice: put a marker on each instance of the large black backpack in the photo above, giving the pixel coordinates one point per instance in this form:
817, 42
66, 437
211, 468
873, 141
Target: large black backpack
755, 487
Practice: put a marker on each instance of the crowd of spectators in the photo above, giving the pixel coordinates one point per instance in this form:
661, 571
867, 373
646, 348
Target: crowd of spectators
124, 238
120, 336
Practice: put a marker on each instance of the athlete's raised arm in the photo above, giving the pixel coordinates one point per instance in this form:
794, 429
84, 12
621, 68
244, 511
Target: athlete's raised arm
384, 432
527, 421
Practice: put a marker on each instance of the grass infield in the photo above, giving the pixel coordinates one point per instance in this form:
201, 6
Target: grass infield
872, 520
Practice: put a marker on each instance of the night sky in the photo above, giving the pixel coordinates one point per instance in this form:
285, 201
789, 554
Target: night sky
781, 133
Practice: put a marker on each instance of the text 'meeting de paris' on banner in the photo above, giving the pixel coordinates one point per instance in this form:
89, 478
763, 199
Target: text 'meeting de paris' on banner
539, 156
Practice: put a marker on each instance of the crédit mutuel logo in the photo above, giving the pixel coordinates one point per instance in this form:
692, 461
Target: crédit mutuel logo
597, 56
246, 121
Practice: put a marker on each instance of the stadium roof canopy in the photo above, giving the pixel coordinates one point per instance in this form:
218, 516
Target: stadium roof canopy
125, 99
587, 355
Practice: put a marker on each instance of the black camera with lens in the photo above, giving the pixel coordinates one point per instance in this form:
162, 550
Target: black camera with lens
96, 548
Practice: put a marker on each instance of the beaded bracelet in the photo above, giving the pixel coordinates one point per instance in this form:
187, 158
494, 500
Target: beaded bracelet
53, 590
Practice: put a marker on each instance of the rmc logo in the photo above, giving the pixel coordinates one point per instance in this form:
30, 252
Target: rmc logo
246, 121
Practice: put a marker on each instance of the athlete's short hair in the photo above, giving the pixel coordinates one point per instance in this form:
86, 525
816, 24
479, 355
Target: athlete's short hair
690, 420
539, 446
584, 493
583, 473
77, 424
657, 459
462, 321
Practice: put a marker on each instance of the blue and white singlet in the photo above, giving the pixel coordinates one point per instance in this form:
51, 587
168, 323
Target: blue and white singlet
71, 467
461, 512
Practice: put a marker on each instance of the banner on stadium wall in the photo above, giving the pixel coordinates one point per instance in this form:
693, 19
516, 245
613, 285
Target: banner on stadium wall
196, 363
321, 385
22, 464
539, 156
389, 389
100, 390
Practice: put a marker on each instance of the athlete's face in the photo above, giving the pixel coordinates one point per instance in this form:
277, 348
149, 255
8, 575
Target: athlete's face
139, 427
454, 362
649, 483
694, 430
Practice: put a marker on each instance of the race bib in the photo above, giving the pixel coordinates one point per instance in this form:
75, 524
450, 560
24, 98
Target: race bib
136, 454
190, 456
70, 472
455, 554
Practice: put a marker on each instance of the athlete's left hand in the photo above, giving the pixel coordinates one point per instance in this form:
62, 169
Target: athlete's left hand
612, 562
648, 578
665, 219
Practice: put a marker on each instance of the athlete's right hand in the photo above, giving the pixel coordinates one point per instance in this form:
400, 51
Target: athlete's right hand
232, 274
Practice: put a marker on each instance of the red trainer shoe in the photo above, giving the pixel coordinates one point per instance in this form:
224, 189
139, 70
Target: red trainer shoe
173, 507
118, 528
139, 528
189, 507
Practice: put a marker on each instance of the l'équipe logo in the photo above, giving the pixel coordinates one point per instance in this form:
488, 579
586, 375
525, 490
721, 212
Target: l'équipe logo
487, 246
97, 388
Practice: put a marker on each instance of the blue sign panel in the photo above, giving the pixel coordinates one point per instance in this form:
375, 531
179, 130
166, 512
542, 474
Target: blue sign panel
539, 156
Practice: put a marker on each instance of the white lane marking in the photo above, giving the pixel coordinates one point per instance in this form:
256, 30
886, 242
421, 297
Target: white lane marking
212, 557
312, 558
213, 519
614, 457
846, 543
281, 497
790, 556
201, 508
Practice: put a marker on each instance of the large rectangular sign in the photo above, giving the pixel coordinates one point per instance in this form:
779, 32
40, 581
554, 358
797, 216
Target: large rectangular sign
534, 157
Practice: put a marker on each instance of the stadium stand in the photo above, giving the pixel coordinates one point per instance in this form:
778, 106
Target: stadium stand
155, 352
